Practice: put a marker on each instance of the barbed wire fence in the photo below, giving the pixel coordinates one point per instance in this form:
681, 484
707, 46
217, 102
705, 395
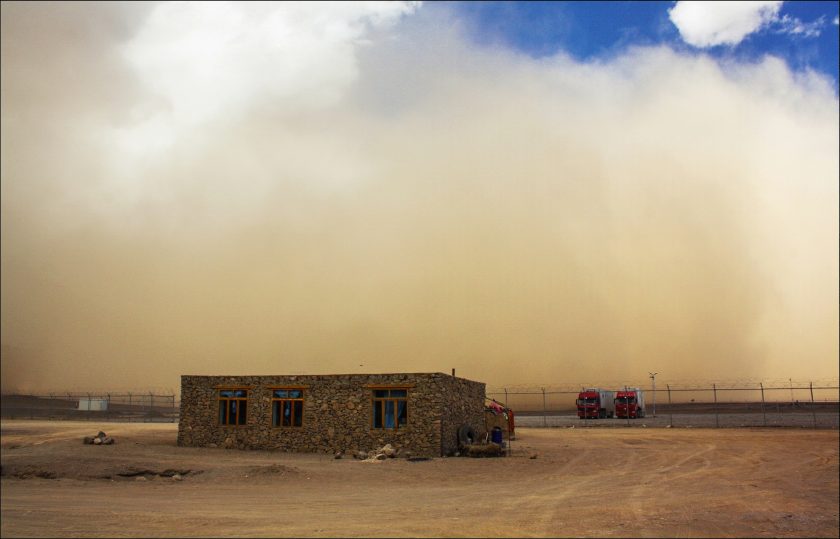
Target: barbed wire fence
129, 406
686, 403
681, 403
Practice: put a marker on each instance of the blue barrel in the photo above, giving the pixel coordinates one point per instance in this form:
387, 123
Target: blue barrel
496, 435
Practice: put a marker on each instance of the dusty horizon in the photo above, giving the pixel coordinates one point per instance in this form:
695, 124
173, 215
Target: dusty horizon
402, 199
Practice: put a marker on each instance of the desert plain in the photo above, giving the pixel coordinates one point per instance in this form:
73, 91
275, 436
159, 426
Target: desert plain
557, 482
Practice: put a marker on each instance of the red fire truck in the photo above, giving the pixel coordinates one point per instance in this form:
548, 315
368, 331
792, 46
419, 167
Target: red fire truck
630, 403
595, 403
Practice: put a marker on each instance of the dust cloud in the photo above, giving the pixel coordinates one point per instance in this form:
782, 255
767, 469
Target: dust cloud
525, 221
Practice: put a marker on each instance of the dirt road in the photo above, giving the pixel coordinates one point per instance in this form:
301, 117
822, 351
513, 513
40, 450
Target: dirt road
583, 482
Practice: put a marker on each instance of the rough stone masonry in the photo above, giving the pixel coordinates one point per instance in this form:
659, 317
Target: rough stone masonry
338, 412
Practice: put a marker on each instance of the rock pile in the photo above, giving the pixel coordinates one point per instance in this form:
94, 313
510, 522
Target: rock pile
99, 439
387, 451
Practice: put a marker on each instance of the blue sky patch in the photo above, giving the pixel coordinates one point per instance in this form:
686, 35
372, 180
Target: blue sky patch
804, 34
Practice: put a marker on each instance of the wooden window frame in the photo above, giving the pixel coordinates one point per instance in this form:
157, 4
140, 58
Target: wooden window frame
295, 402
227, 400
381, 401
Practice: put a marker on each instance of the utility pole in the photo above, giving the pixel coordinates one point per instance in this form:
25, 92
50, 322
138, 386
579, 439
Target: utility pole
653, 377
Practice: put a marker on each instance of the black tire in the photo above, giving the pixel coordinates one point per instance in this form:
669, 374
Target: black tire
466, 435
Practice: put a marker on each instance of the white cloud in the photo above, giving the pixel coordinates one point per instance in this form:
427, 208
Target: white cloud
794, 26
706, 24
203, 59
836, 21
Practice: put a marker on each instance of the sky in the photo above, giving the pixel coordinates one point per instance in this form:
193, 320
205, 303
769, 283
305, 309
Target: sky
530, 193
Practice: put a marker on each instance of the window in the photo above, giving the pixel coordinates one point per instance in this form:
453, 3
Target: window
287, 408
390, 410
233, 406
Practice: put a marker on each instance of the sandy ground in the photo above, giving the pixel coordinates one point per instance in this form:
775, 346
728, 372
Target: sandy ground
583, 482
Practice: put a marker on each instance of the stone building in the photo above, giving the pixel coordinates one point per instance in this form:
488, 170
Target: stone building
420, 413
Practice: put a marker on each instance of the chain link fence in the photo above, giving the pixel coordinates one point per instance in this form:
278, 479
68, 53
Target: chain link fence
131, 407
772, 403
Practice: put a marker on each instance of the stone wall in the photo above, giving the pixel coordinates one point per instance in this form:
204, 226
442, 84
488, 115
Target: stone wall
464, 405
337, 413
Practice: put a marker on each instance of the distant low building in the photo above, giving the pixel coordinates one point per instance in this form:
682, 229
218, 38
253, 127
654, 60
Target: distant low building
95, 405
417, 412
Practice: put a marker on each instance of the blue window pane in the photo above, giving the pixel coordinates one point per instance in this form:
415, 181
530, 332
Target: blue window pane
232, 412
280, 393
380, 393
402, 413
242, 418
222, 408
241, 393
295, 393
275, 414
398, 393
298, 414
287, 413
227, 393
389, 414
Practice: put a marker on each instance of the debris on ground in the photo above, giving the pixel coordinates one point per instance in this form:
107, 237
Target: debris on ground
484, 450
385, 452
99, 439
34, 471
146, 474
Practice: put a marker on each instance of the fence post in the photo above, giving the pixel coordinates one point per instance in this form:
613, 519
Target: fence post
670, 409
763, 411
627, 406
544, 420
506, 403
580, 414
717, 421
813, 411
